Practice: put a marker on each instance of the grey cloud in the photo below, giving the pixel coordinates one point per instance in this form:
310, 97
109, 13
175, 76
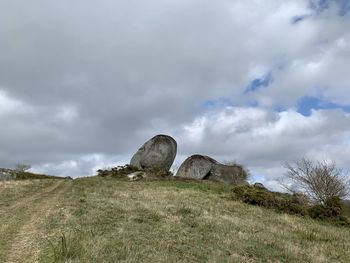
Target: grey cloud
88, 78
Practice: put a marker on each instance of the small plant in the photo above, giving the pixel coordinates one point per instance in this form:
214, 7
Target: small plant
66, 248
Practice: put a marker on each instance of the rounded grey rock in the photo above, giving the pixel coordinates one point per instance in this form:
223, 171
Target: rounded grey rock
157, 153
205, 168
196, 167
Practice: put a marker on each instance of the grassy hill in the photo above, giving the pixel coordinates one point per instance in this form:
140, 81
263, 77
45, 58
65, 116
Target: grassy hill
112, 220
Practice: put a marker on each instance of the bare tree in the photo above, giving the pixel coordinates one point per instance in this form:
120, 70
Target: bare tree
20, 167
319, 180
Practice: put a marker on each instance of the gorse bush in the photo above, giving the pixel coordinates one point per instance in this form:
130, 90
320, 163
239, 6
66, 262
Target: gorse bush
123, 171
119, 171
292, 204
27, 175
333, 210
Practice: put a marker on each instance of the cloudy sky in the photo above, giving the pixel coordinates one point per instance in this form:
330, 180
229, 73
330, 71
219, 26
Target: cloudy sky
84, 83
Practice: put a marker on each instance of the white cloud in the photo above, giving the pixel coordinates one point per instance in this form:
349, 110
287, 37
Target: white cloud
10, 105
263, 140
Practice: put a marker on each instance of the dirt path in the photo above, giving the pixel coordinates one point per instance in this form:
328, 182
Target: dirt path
24, 201
24, 247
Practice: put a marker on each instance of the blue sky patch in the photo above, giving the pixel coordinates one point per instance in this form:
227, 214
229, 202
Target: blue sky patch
307, 103
259, 83
217, 103
321, 5
257, 178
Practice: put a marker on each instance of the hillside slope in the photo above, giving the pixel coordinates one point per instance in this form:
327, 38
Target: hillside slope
110, 220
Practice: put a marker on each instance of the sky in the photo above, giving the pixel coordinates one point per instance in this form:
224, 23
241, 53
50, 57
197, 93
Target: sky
83, 84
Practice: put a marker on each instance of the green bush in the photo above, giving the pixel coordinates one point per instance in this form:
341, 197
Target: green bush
292, 204
333, 210
27, 175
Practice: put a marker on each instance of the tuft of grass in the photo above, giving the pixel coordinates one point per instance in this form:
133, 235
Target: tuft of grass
67, 247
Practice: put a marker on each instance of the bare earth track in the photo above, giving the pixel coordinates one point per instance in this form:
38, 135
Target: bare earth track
25, 247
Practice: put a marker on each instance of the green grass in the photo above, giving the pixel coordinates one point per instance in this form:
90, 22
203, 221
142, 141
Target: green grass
12, 191
113, 220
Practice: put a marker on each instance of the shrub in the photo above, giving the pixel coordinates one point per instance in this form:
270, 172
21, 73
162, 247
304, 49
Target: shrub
118, 172
292, 204
333, 210
28, 176
158, 173
123, 171
240, 174
319, 180
21, 167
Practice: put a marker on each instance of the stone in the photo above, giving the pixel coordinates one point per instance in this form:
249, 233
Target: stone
203, 167
156, 154
196, 167
136, 176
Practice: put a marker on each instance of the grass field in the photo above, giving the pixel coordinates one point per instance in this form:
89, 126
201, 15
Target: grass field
112, 220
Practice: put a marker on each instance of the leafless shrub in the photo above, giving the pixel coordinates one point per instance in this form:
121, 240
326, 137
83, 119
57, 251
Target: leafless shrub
319, 180
21, 167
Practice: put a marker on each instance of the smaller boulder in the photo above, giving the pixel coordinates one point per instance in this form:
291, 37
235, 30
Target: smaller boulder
202, 167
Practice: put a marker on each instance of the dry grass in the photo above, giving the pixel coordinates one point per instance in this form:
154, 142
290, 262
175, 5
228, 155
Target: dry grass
25, 206
110, 220
113, 220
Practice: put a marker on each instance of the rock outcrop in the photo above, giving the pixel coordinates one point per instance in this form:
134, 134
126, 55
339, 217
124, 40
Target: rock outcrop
157, 153
205, 168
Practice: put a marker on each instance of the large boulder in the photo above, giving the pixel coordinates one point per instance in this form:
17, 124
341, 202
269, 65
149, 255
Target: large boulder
157, 153
205, 168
